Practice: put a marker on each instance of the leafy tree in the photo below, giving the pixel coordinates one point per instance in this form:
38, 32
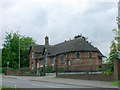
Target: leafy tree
113, 48
0, 59
113, 51
10, 51
85, 38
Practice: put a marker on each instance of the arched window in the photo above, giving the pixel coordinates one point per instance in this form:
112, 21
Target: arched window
32, 55
90, 54
32, 65
78, 55
46, 59
41, 63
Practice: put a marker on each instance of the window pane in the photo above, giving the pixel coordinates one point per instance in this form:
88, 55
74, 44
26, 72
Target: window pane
77, 55
32, 65
90, 55
32, 54
52, 61
41, 62
46, 59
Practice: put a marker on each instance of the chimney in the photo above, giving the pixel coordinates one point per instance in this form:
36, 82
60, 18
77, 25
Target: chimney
46, 40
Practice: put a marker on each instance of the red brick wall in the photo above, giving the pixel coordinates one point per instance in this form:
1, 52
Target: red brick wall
13, 72
83, 63
101, 77
32, 59
83, 60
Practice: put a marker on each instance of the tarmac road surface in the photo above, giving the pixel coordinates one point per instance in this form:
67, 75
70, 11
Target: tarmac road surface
20, 83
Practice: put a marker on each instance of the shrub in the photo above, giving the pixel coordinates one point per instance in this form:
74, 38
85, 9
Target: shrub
100, 68
60, 70
4, 69
48, 69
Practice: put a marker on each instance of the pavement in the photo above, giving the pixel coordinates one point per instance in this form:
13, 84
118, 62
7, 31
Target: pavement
75, 82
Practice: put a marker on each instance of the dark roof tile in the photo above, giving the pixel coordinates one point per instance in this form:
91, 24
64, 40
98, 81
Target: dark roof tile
38, 48
78, 44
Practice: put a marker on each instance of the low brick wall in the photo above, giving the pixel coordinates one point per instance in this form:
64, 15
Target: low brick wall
101, 77
14, 72
27, 75
79, 68
17, 72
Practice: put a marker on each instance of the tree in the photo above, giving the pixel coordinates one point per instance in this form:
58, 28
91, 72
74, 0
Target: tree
0, 59
113, 48
85, 38
10, 51
113, 51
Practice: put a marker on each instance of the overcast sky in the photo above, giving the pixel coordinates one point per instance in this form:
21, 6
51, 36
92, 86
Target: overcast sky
60, 20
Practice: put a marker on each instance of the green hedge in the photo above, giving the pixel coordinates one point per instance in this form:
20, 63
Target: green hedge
4, 69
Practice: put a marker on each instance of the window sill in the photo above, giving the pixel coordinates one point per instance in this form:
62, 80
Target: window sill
41, 66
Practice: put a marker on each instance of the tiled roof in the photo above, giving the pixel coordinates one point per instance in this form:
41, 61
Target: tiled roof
78, 44
37, 48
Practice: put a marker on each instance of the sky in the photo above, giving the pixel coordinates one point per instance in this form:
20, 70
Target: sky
60, 20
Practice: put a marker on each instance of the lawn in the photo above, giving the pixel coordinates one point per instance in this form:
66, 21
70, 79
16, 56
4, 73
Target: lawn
6, 88
9, 88
116, 83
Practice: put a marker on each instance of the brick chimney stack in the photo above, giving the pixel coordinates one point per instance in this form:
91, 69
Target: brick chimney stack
46, 40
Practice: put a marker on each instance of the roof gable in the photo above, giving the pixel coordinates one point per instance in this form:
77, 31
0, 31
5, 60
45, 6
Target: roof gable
78, 44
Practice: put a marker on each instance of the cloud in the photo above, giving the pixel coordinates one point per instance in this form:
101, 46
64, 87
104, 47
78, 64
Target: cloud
60, 20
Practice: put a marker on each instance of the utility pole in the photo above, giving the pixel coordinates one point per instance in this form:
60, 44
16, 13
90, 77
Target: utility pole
119, 29
19, 51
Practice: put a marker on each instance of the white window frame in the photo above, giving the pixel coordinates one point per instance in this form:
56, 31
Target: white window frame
32, 64
37, 65
40, 63
46, 59
69, 62
32, 54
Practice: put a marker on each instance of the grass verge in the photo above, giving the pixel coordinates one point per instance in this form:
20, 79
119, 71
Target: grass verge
115, 83
6, 88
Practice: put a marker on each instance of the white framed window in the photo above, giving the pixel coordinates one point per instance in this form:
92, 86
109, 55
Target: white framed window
46, 59
37, 65
32, 64
52, 61
69, 62
41, 63
32, 55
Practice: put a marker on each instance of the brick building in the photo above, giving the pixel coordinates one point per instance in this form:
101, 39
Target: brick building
78, 54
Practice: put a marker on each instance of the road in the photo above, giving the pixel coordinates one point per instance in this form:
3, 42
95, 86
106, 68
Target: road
20, 83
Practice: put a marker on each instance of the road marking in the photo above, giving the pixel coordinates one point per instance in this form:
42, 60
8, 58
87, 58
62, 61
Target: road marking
51, 86
35, 84
9, 81
46, 86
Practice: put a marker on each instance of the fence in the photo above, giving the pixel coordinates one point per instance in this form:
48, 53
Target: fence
89, 72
